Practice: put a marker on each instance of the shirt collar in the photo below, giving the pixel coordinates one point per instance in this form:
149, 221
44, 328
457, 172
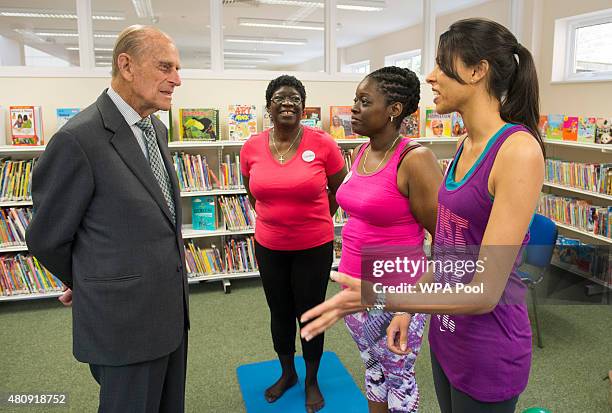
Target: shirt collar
128, 112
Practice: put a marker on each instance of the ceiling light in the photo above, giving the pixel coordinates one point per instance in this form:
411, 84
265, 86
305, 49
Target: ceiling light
57, 14
251, 53
355, 5
96, 49
266, 40
240, 66
281, 24
248, 60
143, 8
74, 34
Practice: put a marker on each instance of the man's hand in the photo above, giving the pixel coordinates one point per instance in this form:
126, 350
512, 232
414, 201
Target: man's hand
397, 334
66, 297
326, 314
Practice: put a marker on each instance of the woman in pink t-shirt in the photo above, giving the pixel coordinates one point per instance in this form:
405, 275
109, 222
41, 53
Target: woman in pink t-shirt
291, 173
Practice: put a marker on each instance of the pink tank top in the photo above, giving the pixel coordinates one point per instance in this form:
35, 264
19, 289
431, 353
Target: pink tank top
378, 212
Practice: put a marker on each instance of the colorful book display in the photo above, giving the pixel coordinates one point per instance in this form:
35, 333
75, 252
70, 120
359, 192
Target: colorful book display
457, 126
199, 124
437, 125
312, 117
570, 128
411, 125
26, 125
203, 213
242, 121
340, 122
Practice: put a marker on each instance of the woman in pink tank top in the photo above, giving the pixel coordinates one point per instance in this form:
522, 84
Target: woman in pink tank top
390, 194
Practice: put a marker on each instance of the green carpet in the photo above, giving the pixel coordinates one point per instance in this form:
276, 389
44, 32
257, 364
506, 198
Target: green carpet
230, 330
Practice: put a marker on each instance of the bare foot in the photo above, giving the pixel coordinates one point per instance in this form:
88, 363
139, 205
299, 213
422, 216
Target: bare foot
314, 398
274, 392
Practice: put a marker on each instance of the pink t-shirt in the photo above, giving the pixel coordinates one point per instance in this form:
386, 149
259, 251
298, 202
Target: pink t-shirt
292, 206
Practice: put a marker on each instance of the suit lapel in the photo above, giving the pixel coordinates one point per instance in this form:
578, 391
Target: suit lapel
162, 140
130, 152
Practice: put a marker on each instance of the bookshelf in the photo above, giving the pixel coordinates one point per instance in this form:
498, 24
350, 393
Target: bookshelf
580, 145
579, 191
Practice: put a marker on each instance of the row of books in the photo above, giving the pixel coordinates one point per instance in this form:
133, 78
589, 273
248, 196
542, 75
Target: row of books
592, 177
23, 274
238, 214
16, 179
577, 213
195, 174
13, 224
595, 261
586, 129
340, 216
237, 255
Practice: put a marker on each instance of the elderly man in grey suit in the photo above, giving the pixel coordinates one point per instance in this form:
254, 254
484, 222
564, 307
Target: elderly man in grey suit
107, 223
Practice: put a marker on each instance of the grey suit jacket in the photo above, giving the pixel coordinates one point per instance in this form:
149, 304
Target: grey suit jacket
102, 226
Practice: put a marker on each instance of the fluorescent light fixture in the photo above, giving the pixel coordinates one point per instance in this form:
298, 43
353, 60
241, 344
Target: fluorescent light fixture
251, 53
266, 40
248, 60
281, 24
74, 34
143, 8
57, 14
96, 49
355, 5
240, 66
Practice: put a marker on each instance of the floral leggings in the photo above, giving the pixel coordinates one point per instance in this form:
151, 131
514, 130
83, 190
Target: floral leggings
389, 377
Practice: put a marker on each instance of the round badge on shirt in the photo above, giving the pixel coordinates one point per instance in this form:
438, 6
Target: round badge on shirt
308, 156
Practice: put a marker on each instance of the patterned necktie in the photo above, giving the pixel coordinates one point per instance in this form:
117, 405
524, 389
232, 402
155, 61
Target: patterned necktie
157, 164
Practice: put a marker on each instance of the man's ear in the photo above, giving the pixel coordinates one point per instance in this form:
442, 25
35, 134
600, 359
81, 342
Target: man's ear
125, 63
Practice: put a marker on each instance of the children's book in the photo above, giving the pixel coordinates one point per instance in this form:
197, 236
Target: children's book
411, 125
242, 121
199, 124
570, 128
457, 126
555, 127
267, 119
603, 131
340, 122
543, 125
166, 118
203, 214
64, 115
437, 125
312, 117
26, 125
586, 129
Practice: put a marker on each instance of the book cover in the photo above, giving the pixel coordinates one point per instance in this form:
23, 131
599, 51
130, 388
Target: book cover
267, 120
242, 122
64, 115
312, 117
340, 122
603, 131
457, 126
198, 124
26, 125
203, 215
570, 128
555, 127
543, 125
166, 118
437, 125
586, 129
411, 125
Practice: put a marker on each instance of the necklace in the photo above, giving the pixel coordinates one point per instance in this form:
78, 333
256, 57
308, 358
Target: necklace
365, 158
281, 157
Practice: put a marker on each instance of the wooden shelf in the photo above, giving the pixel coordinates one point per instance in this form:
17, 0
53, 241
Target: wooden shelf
35, 296
579, 191
585, 233
581, 145
9, 204
575, 270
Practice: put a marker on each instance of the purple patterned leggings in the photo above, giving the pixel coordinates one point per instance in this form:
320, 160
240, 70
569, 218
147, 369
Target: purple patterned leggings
389, 377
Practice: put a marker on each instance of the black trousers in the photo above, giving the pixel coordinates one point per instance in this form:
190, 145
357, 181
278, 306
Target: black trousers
452, 400
151, 386
294, 281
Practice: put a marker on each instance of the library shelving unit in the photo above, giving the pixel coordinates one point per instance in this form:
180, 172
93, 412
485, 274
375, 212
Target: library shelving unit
588, 153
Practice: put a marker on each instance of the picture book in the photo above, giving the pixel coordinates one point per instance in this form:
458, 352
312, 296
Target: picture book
203, 214
267, 119
198, 124
436, 124
586, 129
312, 117
603, 131
457, 126
166, 118
26, 125
555, 127
411, 125
64, 115
242, 121
543, 125
570, 128
340, 122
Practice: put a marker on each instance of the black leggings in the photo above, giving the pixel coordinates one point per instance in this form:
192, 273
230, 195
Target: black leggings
294, 281
452, 400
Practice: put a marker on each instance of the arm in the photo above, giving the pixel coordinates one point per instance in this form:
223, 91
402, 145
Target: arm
252, 199
516, 180
333, 183
419, 178
62, 187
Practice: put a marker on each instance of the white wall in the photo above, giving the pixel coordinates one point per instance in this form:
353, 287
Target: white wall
11, 52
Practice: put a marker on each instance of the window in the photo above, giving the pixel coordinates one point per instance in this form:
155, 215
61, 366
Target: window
583, 47
358, 67
35, 57
408, 60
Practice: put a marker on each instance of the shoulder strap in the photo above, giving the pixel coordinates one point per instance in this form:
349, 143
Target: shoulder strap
411, 145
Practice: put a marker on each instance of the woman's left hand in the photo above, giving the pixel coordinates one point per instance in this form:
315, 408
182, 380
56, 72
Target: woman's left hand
326, 314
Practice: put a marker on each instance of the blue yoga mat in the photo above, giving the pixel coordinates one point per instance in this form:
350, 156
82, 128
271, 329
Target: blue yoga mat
339, 390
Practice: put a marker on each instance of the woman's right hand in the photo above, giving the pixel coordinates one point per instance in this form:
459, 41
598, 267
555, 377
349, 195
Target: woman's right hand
397, 334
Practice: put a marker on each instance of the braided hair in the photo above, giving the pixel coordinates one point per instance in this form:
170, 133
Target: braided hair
398, 85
